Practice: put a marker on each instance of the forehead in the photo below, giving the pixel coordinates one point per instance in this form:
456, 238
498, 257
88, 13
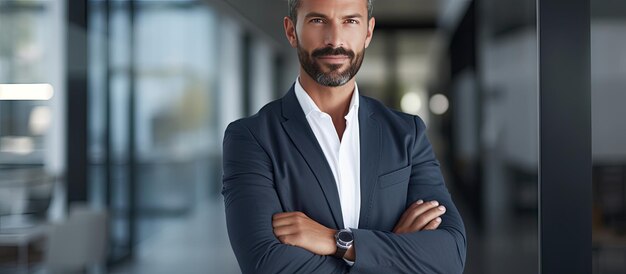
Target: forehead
333, 8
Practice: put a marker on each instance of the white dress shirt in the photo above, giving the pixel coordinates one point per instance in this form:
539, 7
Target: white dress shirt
343, 156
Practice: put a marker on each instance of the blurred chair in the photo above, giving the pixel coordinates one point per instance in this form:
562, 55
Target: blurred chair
77, 244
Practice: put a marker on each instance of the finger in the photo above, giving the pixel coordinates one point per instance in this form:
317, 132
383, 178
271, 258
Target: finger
433, 224
285, 240
404, 220
283, 221
423, 208
422, 220
284, 231
291, 239
284, 215
415, 212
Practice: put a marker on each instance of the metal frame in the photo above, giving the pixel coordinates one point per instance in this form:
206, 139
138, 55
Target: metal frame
77, 168
247, 71
132, 157
565, 196
77, 100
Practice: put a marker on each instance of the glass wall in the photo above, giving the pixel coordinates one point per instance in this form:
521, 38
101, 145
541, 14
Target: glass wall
608, 67
160, 64
31, 131
492, 133
30, 52
108, 112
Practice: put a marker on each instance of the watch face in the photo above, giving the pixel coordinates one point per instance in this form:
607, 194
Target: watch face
345, 236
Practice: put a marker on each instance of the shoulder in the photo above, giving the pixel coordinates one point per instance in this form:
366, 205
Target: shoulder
267, 115
394, 119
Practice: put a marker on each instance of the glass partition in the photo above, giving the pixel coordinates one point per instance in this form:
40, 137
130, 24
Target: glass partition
608, 67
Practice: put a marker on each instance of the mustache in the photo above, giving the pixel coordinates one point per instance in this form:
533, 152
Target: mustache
332, 51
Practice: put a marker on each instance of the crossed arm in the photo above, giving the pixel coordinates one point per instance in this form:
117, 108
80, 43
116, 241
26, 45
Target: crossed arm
266, 240
297, 229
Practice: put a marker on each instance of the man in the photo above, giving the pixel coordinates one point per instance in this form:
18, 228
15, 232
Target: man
324, 180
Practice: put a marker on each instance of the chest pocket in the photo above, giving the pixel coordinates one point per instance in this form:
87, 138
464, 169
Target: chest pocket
394, 177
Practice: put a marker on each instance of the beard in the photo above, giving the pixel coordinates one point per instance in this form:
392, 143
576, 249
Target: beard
334, 77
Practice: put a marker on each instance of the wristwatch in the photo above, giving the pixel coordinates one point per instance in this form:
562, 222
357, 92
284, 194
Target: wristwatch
344, 240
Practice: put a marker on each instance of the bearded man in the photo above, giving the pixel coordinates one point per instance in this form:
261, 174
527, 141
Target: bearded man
325, 180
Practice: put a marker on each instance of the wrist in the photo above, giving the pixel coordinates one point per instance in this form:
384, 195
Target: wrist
332, 242
343, 242
350, 254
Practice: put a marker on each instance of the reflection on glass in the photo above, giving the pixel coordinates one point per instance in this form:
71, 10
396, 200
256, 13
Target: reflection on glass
29, 155
608, 67
492, 116
175, 143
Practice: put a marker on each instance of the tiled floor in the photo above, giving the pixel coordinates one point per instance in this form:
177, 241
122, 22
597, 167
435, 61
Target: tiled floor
197, 244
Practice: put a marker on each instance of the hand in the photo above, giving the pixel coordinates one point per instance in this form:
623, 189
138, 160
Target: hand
420, 216
297, 229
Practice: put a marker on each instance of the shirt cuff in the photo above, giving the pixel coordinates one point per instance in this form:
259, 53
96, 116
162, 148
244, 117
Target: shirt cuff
350, 263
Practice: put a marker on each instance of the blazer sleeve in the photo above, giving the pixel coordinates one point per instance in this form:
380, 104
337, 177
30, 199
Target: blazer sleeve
250, 202
430, 251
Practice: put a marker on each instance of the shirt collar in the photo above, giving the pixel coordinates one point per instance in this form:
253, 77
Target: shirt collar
308, 105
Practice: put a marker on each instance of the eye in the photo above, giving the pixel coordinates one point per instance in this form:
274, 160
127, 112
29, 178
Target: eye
317, 21
352, 21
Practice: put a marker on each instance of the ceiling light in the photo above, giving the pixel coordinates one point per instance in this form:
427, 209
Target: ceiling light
26, 92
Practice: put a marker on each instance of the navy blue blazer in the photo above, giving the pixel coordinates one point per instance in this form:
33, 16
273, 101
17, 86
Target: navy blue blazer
273, 163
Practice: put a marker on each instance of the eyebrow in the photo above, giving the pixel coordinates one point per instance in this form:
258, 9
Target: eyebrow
356, 15
317, 14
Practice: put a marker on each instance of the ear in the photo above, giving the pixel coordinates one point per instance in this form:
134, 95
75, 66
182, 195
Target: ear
290, 31
370, 31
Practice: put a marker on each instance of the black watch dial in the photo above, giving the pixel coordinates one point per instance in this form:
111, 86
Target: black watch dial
345, 236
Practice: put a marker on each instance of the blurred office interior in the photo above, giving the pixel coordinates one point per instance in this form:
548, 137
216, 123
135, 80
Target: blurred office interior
120, 170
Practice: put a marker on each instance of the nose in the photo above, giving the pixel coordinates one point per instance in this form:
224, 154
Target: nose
334, 36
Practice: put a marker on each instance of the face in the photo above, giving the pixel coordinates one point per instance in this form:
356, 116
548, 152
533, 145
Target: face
331, 37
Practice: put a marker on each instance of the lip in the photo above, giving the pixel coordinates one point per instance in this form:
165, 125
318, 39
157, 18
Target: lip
334, 58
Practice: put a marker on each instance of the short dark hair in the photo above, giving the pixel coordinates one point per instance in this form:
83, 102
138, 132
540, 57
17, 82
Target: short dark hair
295, 4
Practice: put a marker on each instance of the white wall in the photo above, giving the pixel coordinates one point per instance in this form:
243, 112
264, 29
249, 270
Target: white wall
55, 62
262, 74
230, 81
54, 141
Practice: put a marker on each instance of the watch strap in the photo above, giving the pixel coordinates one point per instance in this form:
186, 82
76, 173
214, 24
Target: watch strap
340, 252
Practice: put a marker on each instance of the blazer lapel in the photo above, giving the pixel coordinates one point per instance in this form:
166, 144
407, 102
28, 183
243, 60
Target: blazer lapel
301, 134
369, 138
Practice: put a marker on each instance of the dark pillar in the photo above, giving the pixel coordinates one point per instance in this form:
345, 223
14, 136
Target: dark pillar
565, 136
77, 73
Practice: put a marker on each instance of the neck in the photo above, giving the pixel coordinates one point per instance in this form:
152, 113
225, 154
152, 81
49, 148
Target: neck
332, 100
